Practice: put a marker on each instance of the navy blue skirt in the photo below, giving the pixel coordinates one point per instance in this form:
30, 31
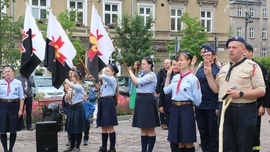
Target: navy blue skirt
182, 124
145, 112
106, 115
9, 121
75, 119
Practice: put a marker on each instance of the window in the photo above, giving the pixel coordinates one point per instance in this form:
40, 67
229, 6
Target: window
264, 33
78, 6
264, 13
176, 24
251, 12
239, 31
39, 8
206, 20
239, 11
146, 11
112, 13
263, 53
251, 32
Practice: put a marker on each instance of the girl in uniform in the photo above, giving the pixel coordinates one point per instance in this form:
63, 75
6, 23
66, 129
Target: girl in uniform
132, 88
75, 124
186, 91
11, 107
106, 117
146, 113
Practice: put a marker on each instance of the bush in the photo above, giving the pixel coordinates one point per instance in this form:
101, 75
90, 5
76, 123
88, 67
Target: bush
123, 105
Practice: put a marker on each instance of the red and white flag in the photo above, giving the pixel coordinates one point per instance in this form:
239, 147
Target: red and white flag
100, 45
33, 45
59, 52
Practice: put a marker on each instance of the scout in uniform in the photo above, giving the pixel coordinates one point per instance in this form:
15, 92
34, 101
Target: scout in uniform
186, 91
206, 113
242, 80
106, 117
75, 123
146, 113
11, 107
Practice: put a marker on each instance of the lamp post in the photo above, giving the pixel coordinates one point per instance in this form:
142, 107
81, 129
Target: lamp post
247, 19
216, 43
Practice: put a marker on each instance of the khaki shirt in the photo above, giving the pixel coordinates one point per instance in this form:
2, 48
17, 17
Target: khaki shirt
246, 76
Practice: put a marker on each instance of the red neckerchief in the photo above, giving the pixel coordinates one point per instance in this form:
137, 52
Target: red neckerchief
179, 82
8, 88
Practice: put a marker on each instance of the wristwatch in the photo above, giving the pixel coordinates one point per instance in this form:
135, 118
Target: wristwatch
241, 94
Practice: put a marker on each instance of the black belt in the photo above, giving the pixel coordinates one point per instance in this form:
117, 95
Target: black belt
181, 103
144, 94
106, 97
9, 100
77, 104
241, 104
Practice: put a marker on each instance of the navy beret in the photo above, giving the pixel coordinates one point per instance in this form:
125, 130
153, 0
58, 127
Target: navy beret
249, 47
79, 73
188, 54
115, 69
239, 39
208, 48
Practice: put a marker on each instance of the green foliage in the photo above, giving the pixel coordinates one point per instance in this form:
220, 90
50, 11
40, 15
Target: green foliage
193, 35
135, 38
9, 31
264, 61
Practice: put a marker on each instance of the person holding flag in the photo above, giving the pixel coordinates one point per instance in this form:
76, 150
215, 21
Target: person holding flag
106, 117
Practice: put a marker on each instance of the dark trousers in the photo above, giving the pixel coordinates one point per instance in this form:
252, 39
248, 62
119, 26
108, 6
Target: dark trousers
208, 128
162, 117
239, 128
86, 132
256, 143
28, 104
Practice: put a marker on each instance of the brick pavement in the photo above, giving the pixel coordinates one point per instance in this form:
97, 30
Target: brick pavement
128, 139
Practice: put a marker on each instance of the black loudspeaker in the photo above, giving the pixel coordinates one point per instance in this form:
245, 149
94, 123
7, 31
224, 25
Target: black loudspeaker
46, 136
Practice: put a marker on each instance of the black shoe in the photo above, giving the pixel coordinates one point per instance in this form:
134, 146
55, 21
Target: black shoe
102, 149
30, 129
112, 150
69, 149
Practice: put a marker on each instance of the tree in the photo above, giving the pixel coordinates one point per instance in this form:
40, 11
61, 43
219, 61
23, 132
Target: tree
9, 31
193, 35
134, 38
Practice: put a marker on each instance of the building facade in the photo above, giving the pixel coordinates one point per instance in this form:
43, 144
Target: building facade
213, 14
249, 19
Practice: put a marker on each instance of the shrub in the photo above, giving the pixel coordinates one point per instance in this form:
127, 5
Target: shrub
123, 105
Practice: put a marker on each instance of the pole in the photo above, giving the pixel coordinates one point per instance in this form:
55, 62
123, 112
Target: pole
246, 20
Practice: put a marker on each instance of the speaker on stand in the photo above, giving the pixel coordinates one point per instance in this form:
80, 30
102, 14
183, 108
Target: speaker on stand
46, 136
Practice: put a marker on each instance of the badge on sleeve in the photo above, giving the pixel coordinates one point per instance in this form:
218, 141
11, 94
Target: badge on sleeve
254, 69
198, 85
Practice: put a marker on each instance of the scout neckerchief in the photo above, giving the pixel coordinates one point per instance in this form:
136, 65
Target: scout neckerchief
8, 87
181, 77
232, 66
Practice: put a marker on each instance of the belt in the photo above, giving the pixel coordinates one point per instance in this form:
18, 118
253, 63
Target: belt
9, 100
77, 104
144, 94
181, 103
106, 97
240, 104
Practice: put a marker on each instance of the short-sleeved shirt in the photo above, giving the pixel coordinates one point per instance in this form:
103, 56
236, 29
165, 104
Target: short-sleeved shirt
147, 83
16, 89
245, 76
189, 89
108, 87
78, 93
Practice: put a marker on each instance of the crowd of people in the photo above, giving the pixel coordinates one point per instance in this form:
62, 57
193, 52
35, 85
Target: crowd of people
188, 95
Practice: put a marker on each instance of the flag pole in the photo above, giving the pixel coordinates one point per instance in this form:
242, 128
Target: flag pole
221, 125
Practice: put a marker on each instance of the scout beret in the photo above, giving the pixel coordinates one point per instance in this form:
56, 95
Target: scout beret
208, 48
239, 39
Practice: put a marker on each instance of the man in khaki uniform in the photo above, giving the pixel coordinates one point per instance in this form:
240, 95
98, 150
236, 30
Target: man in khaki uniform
246, 78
